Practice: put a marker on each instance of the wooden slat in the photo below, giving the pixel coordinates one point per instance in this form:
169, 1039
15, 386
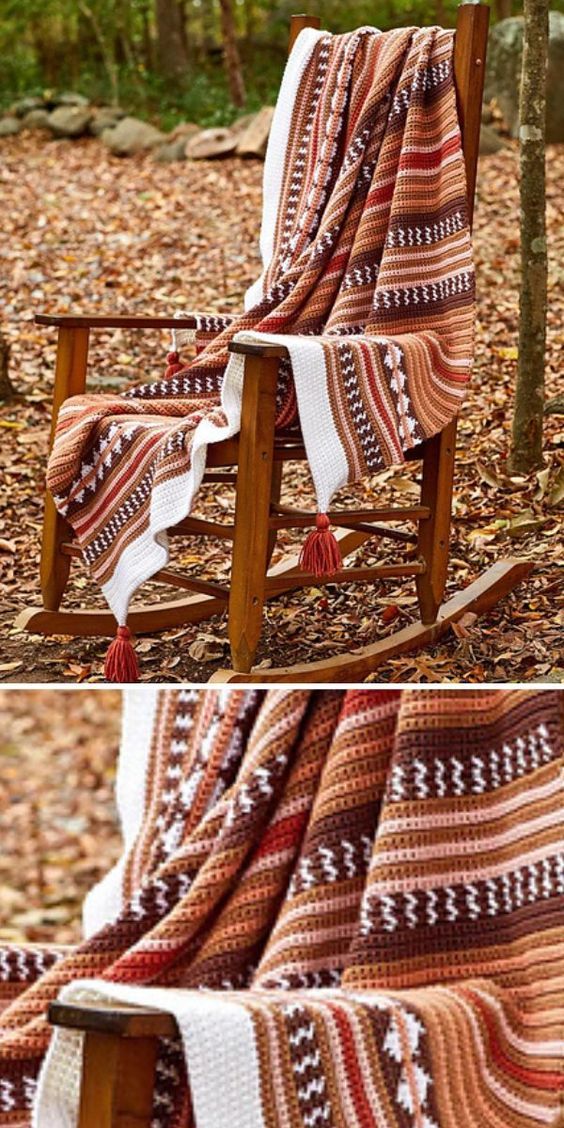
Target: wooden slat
345, 576
285, 517
198, 527
226, 479
191, 583
111, 321
380, 531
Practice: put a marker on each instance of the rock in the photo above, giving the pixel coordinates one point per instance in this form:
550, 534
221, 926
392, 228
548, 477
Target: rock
503, 73
106, 117
9, 126
184, 129
69, 121
490, 141
132, 136
172, 151
36, 119
24, 105
240, 125
209, 143
254, 139
69, 98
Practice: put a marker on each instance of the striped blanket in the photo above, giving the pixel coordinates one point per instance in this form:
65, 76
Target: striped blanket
367, 279
353, 902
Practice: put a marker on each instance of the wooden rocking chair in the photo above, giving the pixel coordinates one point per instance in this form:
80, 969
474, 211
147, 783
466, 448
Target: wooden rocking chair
259, 455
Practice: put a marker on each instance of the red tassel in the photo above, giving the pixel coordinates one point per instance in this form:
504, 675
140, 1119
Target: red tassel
321, 554
173, 365
121, 659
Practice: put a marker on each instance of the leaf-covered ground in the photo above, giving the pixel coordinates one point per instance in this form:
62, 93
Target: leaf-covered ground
58, 826
82, 231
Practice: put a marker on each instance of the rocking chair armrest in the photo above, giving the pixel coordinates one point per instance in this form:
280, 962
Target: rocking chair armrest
245, 348
113, 1018
108, 321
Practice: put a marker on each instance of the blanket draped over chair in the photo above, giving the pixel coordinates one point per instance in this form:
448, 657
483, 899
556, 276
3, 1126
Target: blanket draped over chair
368, 279
369, 883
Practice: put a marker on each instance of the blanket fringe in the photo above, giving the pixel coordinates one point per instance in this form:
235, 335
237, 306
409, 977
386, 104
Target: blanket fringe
174, 365
320, 553
121, 659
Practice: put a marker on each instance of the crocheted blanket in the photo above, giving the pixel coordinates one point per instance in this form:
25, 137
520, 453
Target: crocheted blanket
353, 902
367, 279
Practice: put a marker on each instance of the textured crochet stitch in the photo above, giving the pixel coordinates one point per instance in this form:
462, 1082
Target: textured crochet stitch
353, 902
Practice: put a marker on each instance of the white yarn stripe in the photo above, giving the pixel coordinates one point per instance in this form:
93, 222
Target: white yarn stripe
219, 1046
276, 151
104, 902
325, 452
172, 500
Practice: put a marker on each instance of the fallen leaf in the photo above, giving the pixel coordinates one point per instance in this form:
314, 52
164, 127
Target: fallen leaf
207, 648
556, 495
510, 353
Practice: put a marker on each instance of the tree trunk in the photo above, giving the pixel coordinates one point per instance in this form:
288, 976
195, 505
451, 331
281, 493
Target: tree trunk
231, 54
106, 51
7, 392
503, 9
526, 451
171, 49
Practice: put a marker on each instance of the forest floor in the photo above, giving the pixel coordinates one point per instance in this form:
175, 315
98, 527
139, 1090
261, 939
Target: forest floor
58, 824
84, 231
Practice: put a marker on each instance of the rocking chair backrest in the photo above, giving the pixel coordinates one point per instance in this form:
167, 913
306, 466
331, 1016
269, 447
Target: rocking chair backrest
470, 45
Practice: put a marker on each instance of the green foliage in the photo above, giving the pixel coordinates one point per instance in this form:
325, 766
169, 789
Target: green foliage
106, 49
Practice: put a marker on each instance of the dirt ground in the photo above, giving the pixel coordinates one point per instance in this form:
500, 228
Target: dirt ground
84, 231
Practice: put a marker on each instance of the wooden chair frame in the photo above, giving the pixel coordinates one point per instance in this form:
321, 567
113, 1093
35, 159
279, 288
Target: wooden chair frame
259, 455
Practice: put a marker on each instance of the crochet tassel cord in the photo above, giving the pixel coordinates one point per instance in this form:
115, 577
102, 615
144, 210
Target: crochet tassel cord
353, 902
367, 280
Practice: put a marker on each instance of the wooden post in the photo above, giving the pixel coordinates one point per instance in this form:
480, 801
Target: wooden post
252, 509
70, 380
258, 484
439, 452
297, 24
119, 1056
118, 1081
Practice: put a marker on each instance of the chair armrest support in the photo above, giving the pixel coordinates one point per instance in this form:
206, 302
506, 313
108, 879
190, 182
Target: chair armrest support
108, 321
119, 1059
121, 1019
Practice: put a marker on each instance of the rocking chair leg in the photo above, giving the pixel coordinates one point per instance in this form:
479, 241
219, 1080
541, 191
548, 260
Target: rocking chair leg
275, 491
70, 380
434, 532
254, 489
118, 1080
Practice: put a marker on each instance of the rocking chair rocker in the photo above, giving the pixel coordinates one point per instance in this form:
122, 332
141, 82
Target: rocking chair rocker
259, 455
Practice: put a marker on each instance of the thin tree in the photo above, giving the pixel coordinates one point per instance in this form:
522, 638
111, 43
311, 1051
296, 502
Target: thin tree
106, 50
171, 42
503, 9
231, 54
6, 387
526, 449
